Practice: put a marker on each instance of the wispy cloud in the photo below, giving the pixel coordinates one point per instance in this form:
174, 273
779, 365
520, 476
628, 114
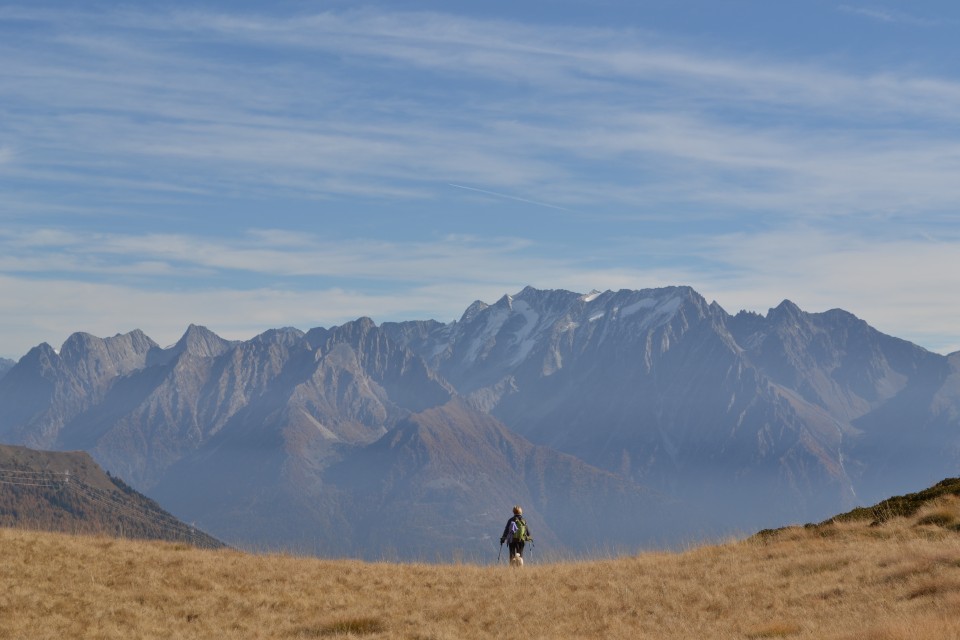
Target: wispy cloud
508, 197
891, 16
266, 253
191, 120
899, 286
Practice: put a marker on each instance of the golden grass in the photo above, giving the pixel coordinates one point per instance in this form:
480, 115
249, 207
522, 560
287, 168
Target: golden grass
943, 512
893, 582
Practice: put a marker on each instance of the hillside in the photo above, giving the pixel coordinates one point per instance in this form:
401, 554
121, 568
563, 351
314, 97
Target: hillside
937, 503
946, 492
69, 492
899, 580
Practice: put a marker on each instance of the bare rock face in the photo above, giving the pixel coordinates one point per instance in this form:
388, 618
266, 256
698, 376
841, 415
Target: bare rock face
653, 411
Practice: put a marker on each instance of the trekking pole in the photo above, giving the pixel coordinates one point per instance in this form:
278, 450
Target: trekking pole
499, 552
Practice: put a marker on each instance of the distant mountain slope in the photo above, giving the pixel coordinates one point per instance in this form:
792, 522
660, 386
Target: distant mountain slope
68, 492
449, 475
438, 485
5, 365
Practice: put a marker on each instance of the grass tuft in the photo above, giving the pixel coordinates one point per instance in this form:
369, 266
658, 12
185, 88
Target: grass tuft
943, 512
775, 630
362, 626
934, 588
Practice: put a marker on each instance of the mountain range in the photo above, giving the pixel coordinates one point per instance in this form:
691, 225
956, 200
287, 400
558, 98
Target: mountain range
617, 419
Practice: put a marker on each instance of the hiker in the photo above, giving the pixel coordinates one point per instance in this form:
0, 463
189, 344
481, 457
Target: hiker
516, 534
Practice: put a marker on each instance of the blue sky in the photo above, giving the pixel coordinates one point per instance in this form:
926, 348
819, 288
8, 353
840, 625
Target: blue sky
248, 165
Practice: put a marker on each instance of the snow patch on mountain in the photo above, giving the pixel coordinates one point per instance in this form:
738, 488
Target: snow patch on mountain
644, 303
525, 338
324, 431
495, 318
660, 311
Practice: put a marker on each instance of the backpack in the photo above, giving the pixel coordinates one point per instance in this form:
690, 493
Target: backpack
520, 535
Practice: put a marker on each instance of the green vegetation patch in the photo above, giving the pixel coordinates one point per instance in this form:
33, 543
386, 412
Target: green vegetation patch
899, 506
896, 507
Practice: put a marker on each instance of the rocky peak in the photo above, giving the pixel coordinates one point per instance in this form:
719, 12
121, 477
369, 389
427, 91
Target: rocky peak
286, 336
201, 342
354, 333
364, 324
107, 357
135, 340
529, 291
26, 393
473, 310
78, 345
506, 302
590, 297
42, 357
551, 302
785, 312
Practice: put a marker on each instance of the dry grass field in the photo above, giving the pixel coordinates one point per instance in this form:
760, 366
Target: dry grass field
900, 580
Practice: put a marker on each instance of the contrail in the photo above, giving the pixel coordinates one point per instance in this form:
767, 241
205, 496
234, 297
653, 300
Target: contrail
508, 197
